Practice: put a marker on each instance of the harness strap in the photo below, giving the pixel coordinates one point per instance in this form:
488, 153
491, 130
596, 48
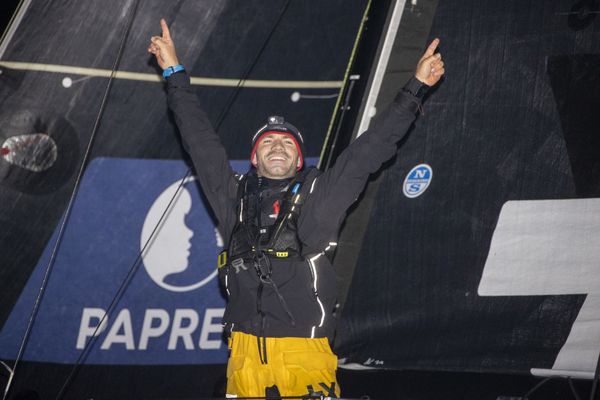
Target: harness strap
283, 219
293, 196
292, 203
259, 255
262, 264
262, 347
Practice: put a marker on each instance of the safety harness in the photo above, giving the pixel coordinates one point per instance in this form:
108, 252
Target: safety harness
253, 246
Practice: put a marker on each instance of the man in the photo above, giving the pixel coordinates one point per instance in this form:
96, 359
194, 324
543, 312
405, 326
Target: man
279, 220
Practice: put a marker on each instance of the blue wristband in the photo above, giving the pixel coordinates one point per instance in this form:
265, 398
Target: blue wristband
171, 70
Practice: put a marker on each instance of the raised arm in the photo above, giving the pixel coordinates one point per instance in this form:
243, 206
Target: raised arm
209, 157
338, 187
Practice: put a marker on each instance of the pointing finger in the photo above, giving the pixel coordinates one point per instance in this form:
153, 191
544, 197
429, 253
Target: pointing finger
165, 29
431, 49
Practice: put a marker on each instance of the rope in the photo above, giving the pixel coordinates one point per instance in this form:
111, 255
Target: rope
13, 18
135, 265
359, 34
132, 270
65, 217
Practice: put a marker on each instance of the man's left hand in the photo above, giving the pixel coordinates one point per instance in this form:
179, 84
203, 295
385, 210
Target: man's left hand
430, 67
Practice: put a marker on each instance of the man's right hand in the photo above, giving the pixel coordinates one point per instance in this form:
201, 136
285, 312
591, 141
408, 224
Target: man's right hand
163, 47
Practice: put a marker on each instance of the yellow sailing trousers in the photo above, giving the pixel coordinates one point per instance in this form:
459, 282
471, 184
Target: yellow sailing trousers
292, 364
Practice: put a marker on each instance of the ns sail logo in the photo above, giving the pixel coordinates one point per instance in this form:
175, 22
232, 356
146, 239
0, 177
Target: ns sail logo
417, 181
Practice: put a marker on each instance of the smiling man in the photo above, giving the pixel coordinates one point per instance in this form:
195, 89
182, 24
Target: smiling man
280, 220
277, 154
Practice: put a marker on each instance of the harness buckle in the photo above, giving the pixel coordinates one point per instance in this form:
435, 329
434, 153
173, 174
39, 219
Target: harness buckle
222, 259
263, 266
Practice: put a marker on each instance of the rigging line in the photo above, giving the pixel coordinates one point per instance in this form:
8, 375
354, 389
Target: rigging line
13, 24
87, 73
90, 143
251, 66
540, 384
596, 379
134, 266
122, 287
6, 366
351, 60
573, 390
65, 217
